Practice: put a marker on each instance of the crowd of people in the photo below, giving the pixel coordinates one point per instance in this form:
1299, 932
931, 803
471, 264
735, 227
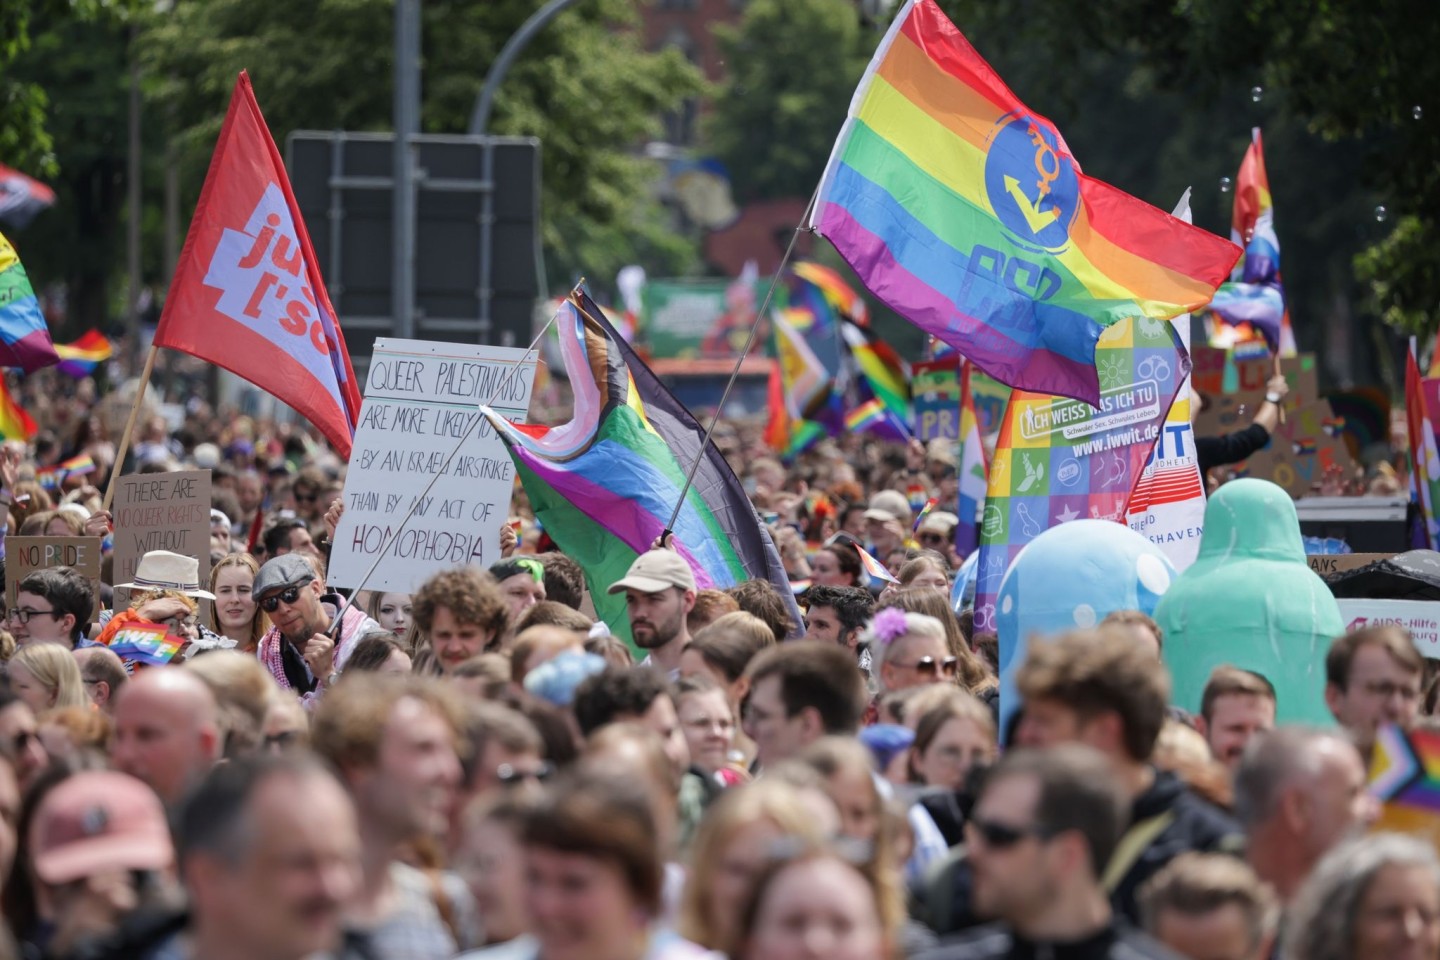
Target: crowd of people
481, 769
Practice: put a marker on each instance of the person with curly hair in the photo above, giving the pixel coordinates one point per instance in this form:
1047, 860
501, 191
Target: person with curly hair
461, 614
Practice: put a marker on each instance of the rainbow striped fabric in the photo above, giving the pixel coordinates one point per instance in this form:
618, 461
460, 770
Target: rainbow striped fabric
1250, 309
876, 569
1405, 779
1424, 454
24, 334
873, 416
52, 478
604, 484
145, 643
15, 423
79, 359
965, 212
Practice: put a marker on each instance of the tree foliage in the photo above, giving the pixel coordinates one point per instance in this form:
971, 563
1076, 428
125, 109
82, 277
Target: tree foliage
584, 86
792, 67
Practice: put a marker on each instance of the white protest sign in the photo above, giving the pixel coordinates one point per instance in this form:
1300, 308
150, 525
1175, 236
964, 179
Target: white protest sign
1420, 617
421, 398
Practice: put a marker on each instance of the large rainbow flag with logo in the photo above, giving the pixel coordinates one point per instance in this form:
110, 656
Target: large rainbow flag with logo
604, 484
965, 212
24, 334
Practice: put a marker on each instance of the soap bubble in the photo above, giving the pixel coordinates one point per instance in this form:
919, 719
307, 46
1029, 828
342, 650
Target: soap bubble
1256, 93
1417, 111
1381, 213
1224, 184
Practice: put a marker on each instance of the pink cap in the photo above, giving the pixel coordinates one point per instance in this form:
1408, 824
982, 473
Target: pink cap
99, 820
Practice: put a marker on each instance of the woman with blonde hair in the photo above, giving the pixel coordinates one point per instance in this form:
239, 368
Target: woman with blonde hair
46, 676
971, 672
235, 614
741, 832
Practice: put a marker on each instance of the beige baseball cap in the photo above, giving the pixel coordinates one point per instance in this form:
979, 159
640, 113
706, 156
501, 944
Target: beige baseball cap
656, 570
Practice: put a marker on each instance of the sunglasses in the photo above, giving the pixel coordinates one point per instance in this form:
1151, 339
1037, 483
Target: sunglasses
287, 596
509, 776
928, 666
932, 538
1001, 836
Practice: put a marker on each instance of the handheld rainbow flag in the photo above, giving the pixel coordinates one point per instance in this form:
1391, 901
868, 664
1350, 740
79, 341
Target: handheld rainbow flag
15, 423
873, 567
1424, 455
974, 471
925, 511
604, 484
24, 334
1249, 311
22, 197
52, 478
145, 643
1058, 460
79, 359
873, 416
965, 212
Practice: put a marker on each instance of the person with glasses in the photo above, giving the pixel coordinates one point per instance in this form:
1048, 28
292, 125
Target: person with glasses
1042, 832
1373, 676
299, 650
51, 606
799, 692
937, 532
502, 749
908, 650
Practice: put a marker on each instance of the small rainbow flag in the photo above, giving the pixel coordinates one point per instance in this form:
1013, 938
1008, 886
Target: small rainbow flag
966, 213
79, 359
875, 417
925, 511
24, 334
875, 568
15, 423
54, 477
145, 643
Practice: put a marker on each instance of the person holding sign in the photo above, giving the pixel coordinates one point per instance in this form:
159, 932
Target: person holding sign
300, 650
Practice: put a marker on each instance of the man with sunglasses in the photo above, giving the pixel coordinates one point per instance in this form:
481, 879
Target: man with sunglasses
299, 649
1044, 828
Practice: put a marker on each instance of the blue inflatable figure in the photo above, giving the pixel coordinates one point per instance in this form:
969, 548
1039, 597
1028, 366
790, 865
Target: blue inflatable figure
1071, 577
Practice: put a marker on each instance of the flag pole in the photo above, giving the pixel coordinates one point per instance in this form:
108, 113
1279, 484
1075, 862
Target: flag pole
415, 502
124, 447
739, 362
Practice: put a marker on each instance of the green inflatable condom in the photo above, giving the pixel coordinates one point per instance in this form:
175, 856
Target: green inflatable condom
1250, 601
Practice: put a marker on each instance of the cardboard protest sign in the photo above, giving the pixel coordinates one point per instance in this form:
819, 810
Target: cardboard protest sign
1328, 563
421, 399
1301, 450
25, 555
161, 511
1217, 373
935, 393
1420, 617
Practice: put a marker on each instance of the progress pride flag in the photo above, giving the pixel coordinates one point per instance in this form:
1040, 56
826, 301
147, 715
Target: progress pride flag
247, 293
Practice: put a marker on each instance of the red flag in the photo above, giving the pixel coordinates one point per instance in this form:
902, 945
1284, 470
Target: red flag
247, 293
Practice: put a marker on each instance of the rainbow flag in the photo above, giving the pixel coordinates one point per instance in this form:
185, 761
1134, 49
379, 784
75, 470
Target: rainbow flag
1424, 454
24, 334
872, 416
1405, 779
876, 569
1058, 459
837, 293
973, 470
878, 370
79, 359
145, 643
22, 197
604, 484
15, 423
965, 212
52, 478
